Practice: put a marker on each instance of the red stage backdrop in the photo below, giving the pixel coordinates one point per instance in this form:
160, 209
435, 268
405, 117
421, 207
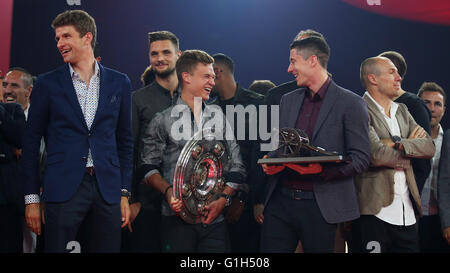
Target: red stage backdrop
428, 11
6, 8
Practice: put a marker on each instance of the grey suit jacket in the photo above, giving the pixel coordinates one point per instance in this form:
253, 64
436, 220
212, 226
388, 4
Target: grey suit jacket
342, 126
375, 187
444, 181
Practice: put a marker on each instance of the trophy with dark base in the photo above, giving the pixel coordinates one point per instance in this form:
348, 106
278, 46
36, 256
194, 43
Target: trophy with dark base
294, 147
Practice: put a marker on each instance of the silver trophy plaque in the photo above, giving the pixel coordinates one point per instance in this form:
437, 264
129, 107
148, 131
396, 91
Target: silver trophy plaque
198, 178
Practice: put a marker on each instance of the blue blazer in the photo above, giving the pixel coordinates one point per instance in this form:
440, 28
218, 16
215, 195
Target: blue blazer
56, 115
342, 126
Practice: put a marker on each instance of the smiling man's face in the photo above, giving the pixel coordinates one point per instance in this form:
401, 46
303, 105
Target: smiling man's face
14, 89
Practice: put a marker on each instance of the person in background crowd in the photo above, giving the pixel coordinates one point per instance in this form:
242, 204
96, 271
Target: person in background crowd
148, 76
261, 86
434, 202
244, 231
163, 92
12, 124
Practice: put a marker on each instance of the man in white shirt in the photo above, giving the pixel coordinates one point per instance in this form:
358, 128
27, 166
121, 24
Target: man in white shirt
387, 193
430, 235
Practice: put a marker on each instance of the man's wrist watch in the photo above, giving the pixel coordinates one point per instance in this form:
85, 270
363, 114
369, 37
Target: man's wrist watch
396, 140
125, 193
227, 199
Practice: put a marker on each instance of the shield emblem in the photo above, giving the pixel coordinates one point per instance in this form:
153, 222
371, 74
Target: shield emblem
198, 177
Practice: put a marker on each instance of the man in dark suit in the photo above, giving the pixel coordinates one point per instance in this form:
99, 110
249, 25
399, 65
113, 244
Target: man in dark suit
12, 124
272, 99
308, 207
83, 110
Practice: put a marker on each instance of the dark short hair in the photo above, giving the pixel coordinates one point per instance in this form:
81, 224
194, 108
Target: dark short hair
148, 76
26, 78
432, 87
224, 59
261, 86
315, 46
163, 36
398, 60
79, 19
189, 60
308, 33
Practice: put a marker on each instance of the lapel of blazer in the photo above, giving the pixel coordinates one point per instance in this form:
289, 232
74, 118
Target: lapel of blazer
372, 108
330, 99
70, 93
295, 103
103, 94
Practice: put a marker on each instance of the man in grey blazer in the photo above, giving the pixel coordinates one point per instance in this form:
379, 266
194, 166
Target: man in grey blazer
304, 206
387, 193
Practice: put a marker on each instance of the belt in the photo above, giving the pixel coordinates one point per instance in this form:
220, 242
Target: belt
297, 194
298, 185
90, 171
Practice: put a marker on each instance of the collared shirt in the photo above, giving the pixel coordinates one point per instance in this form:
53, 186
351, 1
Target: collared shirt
306, 121
429, 192
26, 112
162, 147
311, 108
88, 98
400, 212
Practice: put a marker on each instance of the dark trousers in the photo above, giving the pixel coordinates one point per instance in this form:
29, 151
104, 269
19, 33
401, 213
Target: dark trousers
430, 235
63, 220
287, 220
145, 237
177, 236
11, 230
245, 234
372, 235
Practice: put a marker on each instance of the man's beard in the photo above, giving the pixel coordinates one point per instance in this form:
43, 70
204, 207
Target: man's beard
164, 74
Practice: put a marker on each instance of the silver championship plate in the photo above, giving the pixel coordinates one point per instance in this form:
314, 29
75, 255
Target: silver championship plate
198, 177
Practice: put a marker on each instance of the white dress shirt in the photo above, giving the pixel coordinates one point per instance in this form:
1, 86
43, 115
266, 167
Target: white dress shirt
400, 212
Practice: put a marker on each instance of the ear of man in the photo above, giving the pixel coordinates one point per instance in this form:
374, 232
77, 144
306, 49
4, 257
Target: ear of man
186, 77
372, 79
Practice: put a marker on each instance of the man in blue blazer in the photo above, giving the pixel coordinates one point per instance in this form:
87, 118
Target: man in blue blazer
83, 111
306, 203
